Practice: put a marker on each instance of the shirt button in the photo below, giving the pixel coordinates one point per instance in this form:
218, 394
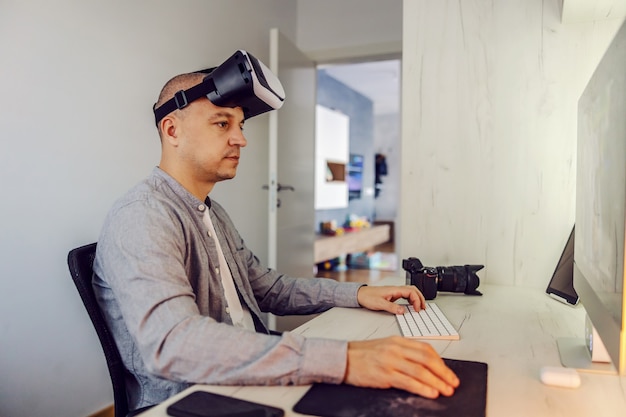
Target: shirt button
201, 207
209, 233
228, 310
217, 270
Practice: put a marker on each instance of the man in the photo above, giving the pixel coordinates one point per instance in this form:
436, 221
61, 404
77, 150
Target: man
183, 295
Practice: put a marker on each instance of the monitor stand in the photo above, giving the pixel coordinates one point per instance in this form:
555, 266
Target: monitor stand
575, 354
586, 354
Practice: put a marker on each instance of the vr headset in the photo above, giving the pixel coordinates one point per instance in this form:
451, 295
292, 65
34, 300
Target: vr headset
240, 81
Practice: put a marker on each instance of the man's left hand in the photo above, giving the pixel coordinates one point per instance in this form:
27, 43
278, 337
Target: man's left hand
382, 298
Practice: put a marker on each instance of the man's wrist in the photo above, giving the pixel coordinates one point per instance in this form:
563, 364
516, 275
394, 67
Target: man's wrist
358, 291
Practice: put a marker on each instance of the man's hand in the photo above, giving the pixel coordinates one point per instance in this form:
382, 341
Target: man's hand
401, 363
382, 298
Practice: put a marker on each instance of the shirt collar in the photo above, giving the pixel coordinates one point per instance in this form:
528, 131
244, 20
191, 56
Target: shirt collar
180, 190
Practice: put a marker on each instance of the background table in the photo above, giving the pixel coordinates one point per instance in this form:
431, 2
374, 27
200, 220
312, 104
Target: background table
330, 247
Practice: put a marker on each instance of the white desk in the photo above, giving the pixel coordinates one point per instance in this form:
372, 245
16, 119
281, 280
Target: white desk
512, 329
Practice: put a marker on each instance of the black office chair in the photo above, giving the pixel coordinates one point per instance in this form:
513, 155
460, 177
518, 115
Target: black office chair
80, 262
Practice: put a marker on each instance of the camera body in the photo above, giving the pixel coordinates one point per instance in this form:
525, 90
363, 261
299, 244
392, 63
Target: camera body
429, 280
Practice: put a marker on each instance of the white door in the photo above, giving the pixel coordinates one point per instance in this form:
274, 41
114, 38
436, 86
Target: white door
291, 162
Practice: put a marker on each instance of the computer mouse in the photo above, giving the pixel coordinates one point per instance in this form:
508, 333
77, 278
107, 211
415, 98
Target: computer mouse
558, 376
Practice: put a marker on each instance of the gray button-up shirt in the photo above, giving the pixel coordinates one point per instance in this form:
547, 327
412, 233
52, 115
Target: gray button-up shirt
155, 279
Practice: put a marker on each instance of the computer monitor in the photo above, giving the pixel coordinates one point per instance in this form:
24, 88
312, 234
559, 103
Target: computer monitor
599, 275
561, 285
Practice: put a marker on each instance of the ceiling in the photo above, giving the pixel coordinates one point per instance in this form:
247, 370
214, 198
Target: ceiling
377, 80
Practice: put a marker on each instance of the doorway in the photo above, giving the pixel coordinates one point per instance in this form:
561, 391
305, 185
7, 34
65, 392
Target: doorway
369, 93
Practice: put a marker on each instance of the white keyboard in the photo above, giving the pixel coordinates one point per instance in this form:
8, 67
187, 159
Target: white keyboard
429, 323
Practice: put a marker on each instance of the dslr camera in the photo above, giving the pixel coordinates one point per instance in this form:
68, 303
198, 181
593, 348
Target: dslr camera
429, 280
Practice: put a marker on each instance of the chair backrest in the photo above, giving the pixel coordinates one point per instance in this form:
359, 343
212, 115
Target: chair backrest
80, 262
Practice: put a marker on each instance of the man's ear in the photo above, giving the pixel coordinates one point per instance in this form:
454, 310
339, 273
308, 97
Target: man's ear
169, 129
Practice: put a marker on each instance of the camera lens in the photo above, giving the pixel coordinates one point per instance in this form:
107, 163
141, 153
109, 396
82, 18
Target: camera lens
452, 279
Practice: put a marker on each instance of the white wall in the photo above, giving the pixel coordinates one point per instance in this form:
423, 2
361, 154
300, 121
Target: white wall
77, 81
332, 136
489, 132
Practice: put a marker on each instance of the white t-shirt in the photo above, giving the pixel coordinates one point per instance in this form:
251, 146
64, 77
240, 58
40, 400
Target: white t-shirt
239, 314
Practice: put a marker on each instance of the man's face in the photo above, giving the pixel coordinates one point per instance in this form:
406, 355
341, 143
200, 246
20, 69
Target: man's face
210, 140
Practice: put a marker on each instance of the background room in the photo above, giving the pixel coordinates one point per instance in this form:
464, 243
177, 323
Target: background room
365, 96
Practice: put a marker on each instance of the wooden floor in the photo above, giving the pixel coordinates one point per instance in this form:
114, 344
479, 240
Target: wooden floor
366, 276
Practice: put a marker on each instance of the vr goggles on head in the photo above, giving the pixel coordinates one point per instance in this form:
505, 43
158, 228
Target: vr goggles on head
240, 81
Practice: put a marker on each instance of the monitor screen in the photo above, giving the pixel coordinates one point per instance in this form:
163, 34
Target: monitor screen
561, 285
601, 199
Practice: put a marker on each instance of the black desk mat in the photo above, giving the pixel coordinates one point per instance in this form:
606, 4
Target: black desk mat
469, 399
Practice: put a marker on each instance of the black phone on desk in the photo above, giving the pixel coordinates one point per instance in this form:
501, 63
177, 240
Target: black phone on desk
208, 404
